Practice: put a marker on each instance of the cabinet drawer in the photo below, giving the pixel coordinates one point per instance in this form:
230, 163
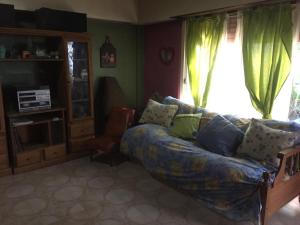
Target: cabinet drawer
3, 146
27, 158
79, 145
55, 152
4, 162
82, 129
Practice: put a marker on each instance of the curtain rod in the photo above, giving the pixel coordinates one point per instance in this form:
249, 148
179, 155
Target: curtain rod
231, 9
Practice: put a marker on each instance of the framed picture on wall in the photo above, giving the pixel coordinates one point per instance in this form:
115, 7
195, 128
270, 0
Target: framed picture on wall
108, 54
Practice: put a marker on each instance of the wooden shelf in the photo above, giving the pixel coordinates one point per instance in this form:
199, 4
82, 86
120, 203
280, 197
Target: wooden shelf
45, 141
83, 59
42, 33
31, 60
18, 114
80, 81
33, 147
37, 122
30, 123
80, 100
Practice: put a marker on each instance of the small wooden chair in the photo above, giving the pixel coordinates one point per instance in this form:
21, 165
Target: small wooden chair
107, 145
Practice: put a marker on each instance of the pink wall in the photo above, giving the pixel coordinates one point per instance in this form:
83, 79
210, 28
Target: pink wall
158, 77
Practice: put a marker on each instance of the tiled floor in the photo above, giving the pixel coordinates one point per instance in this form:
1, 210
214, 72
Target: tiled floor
84, 193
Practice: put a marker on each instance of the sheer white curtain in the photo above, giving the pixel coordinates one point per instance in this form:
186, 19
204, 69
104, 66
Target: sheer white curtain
228, 93
185, 91
293, 84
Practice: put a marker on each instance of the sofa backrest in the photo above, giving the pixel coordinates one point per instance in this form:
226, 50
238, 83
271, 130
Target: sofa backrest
183, 108
242, 123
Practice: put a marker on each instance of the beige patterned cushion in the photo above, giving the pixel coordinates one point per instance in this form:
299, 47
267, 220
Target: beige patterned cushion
158, 113
263, 143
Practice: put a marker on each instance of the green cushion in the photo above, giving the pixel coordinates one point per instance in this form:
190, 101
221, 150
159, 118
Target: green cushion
186, 125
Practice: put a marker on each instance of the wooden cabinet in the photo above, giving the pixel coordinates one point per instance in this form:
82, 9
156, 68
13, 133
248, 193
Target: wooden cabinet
63, 62
3, 145
4, 159
38, 142
79, 144
81, 129
79, 91
4, 163
55, 152
28, 158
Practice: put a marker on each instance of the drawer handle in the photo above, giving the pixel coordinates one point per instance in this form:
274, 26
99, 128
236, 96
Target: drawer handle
27, 159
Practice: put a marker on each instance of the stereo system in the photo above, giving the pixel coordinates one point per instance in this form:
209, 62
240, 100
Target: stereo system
34, 99
43, 18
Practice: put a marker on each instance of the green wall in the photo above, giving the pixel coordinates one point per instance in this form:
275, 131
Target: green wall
127, 39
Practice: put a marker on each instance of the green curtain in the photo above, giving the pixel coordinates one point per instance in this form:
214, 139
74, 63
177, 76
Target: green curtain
203, 36
267, 46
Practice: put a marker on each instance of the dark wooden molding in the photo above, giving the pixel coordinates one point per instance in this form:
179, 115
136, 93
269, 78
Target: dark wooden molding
231, 9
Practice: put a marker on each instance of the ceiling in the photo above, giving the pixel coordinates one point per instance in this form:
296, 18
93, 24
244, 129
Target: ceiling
115, 10
132, 11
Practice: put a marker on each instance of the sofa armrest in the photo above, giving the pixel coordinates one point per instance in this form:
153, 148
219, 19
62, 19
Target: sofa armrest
289, 163
289, 152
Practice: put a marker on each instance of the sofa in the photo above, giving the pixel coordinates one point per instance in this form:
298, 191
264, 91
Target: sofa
236, 186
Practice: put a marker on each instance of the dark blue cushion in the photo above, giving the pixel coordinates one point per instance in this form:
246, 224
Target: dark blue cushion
220, 136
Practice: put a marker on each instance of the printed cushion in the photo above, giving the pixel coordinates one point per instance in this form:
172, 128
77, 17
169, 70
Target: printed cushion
183, 108
220, 136
157, 113
185, 125
263, 143
289, 126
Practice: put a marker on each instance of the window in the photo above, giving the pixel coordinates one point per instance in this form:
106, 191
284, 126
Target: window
228, 93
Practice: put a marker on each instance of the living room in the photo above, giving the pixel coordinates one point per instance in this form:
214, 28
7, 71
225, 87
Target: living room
149, 112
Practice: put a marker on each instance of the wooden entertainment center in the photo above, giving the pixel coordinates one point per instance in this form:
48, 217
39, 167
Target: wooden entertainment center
4, 158
62, 61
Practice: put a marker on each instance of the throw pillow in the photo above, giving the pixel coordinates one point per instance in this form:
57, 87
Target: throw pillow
206, 118
185, 125
289, 126
263, 143
220, 136
158, 113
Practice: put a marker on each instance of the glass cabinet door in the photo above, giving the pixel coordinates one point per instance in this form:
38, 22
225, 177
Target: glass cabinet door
78, 66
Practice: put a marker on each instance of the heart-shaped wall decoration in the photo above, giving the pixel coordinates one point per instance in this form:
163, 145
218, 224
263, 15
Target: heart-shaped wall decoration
166, 55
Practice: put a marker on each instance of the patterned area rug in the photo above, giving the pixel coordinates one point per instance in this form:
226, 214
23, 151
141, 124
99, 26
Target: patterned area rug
83, 193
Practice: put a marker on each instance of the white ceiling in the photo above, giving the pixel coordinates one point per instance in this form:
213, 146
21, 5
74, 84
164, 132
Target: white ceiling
132, 11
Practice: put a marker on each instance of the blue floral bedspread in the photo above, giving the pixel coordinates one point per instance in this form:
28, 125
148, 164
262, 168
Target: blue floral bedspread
228, 185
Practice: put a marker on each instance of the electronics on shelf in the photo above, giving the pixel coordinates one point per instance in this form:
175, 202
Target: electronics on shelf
31, 99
